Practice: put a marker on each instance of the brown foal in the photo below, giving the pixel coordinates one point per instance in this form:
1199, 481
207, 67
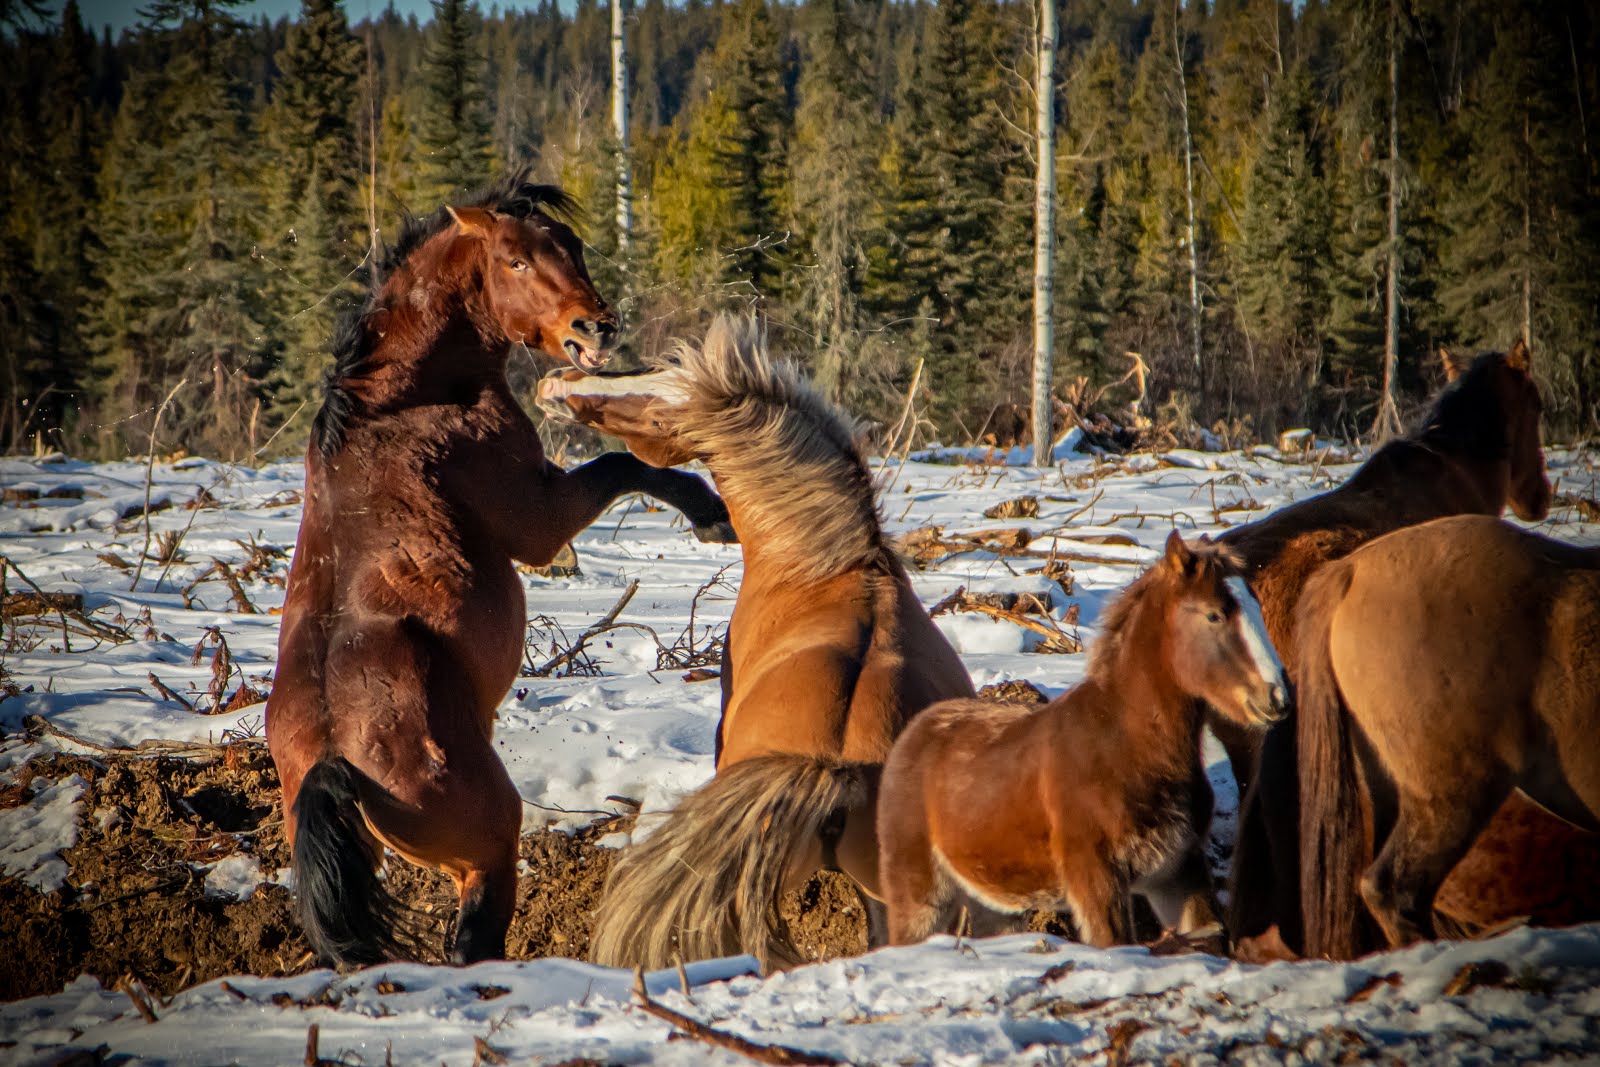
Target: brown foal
1099, 794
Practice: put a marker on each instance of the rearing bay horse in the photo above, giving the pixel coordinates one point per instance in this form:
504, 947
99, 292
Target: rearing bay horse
829, 653
1476, 452
404, 621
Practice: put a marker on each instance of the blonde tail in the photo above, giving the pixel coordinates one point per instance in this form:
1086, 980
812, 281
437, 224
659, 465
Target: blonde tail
706, 884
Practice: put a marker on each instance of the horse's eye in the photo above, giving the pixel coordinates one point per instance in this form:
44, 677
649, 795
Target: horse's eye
1213, 616
519, 265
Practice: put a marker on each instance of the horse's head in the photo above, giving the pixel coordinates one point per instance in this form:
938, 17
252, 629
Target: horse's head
1497, 401
535, 288
630, 406
1218, 641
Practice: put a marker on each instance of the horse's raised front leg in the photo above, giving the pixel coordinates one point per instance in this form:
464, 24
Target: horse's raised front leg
579, 496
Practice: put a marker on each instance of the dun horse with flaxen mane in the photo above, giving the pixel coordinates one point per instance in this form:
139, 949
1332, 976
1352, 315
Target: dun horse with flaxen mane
1476, 451
404, 621
1443, 667
1099, 794
829, 653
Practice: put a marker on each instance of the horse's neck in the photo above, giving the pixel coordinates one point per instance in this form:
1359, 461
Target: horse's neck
1419, 481
1136, 689
424, 353
795, 530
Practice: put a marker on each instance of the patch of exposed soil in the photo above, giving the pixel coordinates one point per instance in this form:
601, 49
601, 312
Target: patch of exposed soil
135, 901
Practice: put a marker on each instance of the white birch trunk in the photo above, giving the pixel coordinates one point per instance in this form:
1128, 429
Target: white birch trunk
619, 119
1044, 238
1388, 421
1196, 309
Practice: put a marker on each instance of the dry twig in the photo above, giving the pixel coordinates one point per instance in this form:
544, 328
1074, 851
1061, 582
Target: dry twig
149, 474
778, 1054
607, 622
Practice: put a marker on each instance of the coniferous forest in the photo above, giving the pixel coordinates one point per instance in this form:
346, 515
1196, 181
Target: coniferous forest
188, 206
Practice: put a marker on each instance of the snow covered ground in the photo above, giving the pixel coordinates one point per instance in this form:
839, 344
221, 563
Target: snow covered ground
632, 727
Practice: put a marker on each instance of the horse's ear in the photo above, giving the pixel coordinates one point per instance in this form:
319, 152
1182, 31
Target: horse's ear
1453, 365
1178, 556
1519, 358
474, 220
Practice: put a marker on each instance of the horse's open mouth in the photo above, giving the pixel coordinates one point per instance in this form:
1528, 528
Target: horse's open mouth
1265, 713
583, 357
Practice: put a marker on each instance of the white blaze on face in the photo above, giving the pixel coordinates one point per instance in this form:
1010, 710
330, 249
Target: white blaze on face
1253, 631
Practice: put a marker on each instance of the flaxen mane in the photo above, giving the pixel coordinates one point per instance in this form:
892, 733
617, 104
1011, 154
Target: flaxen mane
1118, 614
352, 344
784, 453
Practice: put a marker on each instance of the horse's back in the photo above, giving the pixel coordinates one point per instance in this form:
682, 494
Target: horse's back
833, 667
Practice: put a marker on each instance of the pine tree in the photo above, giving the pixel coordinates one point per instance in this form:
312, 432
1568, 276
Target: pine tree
751, 153
833, 165
312, 213
1281, 264
1522, 259
207, 328
721, 190
454, 138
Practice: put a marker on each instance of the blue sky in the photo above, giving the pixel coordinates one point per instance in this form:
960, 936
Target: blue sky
120, 13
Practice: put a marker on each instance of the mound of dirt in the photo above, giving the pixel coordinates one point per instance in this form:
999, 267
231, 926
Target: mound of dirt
135, 900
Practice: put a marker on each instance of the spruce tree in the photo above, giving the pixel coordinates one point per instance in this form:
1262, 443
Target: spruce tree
833, 174
313, 215
721, 192
454, 138
207, 327
751, 153
1280, 268
1521, 257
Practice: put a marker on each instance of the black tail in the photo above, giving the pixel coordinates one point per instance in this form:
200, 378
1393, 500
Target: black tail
346, 911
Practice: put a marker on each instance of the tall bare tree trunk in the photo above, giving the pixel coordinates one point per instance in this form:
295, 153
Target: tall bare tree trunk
619, 119
1527, 231
374, 250
1196, 309
1044, 237
1387, 423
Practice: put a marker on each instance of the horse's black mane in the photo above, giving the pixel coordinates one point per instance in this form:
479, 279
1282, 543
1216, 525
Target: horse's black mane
1467, 419
512, 195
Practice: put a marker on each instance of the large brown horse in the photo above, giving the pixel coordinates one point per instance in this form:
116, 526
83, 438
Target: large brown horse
404, 621
1476, 451
1441, 668
829, 653
1096, 795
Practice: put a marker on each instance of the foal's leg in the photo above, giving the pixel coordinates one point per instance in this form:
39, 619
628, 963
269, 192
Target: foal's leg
1184, 898
1430, 835
577, 497
913, 888
1100, 905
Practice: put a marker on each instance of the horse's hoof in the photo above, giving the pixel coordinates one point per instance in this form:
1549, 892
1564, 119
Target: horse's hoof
717, 533
1209, 940
1265, 947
